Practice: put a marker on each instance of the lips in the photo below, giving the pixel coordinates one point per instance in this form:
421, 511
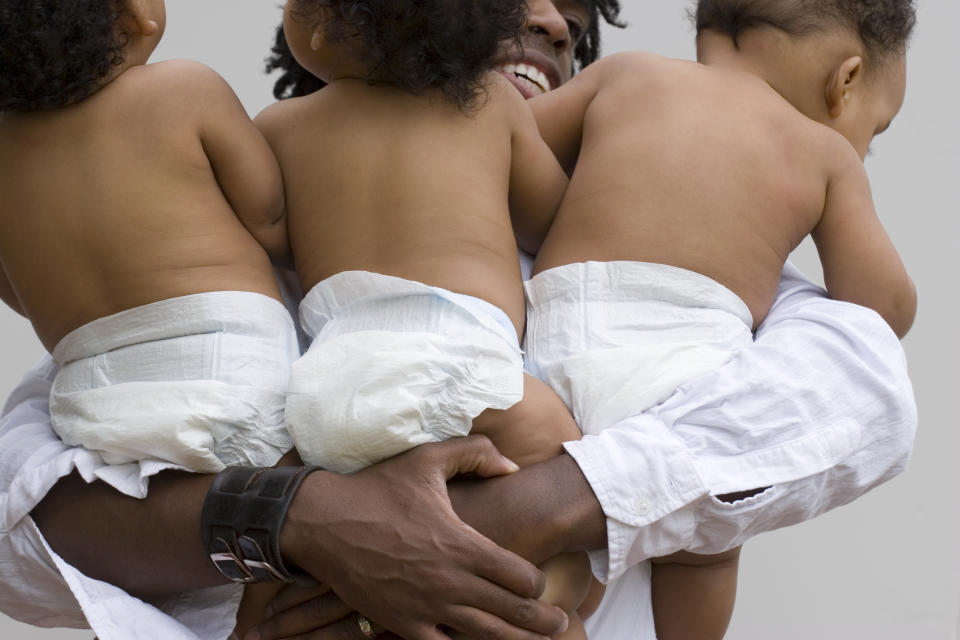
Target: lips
528, 79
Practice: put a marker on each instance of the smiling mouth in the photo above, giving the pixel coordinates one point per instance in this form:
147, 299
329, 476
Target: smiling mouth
529, 80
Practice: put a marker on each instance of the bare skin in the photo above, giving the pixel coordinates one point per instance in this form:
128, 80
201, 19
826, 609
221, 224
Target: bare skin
123, 227
552, 507
420, 208
394, 193
709, 168
686, 124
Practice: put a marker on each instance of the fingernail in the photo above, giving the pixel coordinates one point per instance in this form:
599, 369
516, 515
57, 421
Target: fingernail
511, 465
566, 621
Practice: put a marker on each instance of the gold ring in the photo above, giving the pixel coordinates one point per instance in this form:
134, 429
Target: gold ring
365, 627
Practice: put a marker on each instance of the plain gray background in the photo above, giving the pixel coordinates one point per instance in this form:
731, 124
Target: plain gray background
884, 568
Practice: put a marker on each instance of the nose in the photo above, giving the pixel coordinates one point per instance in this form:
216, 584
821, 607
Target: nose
544, 20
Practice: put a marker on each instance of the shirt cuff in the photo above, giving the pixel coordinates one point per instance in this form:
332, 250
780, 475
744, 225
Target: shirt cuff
637, 482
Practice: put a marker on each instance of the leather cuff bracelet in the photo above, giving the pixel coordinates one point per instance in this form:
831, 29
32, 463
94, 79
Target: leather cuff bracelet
241, 519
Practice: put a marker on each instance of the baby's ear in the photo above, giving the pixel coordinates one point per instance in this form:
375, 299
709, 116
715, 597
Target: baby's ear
842, 82
140, 17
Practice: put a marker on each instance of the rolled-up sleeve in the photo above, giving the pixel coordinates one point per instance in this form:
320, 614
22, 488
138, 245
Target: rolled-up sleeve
816, 412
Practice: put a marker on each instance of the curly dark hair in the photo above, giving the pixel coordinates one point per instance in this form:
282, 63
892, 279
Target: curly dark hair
54, 53
588, 49
884, 26
421, 44
296, 81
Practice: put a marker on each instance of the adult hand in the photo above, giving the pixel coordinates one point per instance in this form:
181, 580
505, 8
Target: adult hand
387, 542
315, 614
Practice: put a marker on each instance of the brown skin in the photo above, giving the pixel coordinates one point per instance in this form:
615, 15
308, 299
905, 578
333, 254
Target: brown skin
629, 198
428, 548
768, 167
552, 507
527, 433
393, 192
448, 223
124, 228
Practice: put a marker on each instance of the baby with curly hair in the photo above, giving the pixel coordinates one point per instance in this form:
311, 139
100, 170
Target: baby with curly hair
404, 232
156, 206
693, 183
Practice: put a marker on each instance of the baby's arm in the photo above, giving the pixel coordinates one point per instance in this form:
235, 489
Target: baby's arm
860, 263
560, 113
242, 162
537, 182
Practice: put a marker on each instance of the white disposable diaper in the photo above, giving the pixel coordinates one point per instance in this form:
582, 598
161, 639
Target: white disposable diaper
615, 338
394, 364
199, 381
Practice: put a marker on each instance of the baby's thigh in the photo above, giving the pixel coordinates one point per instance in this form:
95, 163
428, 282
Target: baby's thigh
532, 430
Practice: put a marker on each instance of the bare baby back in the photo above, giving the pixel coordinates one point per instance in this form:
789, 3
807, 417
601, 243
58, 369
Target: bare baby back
114, 202
410, 186
700, 168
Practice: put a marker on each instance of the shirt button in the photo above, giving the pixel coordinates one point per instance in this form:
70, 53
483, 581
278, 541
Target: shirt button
642, 506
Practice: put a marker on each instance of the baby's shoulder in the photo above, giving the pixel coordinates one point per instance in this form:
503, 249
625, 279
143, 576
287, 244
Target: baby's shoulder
500, 101
834, 153
183, 84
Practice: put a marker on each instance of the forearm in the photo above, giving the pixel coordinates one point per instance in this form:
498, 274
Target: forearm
537, 512
149, 548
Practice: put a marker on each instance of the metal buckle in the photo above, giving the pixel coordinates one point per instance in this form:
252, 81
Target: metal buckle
256, 560
232, 567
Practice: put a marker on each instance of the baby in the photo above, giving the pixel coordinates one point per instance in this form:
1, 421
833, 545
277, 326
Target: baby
140, 211
409, 180
693, 183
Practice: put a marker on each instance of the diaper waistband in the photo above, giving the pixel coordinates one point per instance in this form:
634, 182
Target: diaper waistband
369, 299
240, 312
617, 281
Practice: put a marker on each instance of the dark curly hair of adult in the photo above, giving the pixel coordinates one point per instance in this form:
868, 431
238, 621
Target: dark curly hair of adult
884, 26
588, 49
54, 53
296, 81
421, 44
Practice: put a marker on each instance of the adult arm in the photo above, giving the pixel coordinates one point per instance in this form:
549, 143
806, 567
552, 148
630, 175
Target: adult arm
37, 585
817, 412
98, 545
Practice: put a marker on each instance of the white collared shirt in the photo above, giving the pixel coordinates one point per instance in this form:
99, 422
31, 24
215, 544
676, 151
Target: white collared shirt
820, 410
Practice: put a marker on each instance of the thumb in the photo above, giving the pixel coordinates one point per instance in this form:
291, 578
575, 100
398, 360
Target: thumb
474, 454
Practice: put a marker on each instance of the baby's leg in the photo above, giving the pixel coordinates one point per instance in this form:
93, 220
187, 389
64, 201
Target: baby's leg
532, 431
693, 595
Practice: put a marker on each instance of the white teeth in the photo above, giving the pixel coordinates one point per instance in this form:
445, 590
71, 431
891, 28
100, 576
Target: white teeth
530, 73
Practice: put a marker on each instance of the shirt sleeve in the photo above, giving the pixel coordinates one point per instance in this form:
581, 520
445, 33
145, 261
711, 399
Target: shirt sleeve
40, 588
818, 411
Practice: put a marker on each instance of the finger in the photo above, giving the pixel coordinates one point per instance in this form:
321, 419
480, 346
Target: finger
507, 569
475, 623
530, 614
473, 454
351, 628
317, 613
292, 595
